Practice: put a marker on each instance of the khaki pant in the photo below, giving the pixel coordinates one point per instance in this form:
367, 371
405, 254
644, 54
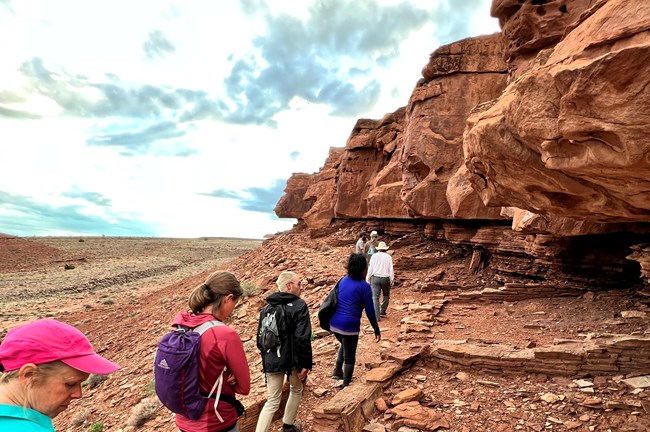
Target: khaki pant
274, 383
380, 285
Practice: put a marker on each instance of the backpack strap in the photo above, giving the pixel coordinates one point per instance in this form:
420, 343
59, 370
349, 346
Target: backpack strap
206, 325
219, 382
281, 324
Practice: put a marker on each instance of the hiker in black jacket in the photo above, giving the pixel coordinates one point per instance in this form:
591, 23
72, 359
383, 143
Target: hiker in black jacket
286, 350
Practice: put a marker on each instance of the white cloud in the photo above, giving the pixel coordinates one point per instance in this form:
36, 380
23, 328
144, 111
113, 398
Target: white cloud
117, 117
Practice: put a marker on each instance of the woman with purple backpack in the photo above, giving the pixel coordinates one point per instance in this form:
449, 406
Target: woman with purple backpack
221, 350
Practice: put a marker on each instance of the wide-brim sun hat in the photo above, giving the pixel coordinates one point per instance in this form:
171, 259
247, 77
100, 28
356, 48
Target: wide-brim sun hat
382, 246
48, 340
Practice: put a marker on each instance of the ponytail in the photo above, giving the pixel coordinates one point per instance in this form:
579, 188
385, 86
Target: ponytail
217, 286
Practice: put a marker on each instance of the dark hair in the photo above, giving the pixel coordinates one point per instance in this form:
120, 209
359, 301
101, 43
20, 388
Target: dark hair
216, 287
357, 264
363, 235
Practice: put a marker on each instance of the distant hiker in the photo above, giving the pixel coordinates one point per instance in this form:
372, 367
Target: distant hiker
358, 248
284, 340
220, 347
371, 245
354, 296
44, 363
381, 277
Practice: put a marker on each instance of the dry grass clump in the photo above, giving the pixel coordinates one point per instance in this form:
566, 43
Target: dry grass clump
80, 417
143, 411
250, 288
94, 381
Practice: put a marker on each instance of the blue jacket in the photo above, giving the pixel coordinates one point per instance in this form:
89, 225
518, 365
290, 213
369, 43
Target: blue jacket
354, 297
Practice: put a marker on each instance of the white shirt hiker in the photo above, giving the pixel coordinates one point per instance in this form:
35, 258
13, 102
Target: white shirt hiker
381, 264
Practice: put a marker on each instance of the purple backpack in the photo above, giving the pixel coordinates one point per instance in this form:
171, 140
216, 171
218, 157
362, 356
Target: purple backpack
176, 372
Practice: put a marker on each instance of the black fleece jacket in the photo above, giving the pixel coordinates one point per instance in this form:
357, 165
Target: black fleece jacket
295, 349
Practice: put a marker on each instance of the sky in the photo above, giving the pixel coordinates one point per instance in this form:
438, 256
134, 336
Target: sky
185, 119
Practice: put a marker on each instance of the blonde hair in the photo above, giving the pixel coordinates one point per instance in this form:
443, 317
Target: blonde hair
43, 371
7, 376
217, 286
284, 279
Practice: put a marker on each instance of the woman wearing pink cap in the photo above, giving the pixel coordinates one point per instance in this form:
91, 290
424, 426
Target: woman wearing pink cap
44, 364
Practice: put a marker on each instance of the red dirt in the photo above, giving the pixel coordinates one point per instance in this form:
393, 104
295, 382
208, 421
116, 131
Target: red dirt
17, 254
125, 321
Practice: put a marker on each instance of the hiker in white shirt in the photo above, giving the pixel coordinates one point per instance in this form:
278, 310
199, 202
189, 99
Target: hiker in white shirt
380, 277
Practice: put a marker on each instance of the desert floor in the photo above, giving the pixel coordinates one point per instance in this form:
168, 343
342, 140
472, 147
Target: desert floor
123, 292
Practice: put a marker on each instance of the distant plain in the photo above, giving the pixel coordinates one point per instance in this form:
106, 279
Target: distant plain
44, 276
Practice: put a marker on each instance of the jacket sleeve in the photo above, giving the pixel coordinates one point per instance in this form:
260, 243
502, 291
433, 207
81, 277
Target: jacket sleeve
302, 338
235, 358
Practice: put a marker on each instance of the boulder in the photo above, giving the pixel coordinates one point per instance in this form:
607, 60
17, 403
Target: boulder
567, 138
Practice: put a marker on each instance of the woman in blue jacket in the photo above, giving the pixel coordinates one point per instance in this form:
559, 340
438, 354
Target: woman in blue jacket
355, 295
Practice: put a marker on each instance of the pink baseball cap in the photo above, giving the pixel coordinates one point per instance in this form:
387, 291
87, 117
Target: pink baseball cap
47, 340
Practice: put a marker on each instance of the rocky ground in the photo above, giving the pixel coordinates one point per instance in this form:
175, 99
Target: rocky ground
124, 316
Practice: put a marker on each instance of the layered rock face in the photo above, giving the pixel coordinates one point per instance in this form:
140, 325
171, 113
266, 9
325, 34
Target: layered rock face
400, 167
543, 126
568, 138
457, 78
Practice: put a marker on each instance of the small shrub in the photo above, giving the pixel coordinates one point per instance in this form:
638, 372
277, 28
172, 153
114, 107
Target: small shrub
80, 417
143, 411
250, 289
108, 302
94, 381
81, 240
96, 427
150, 388
250, 346
68, 266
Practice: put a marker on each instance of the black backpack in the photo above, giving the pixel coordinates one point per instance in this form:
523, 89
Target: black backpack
271, 329
328, 307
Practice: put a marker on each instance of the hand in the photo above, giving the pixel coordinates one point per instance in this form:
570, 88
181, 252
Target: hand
231, 380
378, 337
302, 375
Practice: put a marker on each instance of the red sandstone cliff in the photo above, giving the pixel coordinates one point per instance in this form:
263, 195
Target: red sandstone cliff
543, 126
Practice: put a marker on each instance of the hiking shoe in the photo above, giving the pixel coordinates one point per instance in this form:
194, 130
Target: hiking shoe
292, 428
337, 373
